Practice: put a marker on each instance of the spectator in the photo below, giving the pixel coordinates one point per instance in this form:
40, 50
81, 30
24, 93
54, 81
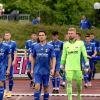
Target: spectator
85, 24
1, 9
14, 15
36, 21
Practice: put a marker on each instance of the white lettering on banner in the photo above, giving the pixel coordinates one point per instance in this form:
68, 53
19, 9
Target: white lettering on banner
20, 67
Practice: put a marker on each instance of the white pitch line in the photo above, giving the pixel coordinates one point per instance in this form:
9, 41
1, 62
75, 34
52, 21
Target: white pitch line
86, 95
19, 97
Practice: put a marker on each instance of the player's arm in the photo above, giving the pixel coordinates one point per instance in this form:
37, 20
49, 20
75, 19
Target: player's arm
32, 57
64, 55
26, 49
53, 63
84, 53
32, 60
9, 64
15, 54
95, 52
53, 60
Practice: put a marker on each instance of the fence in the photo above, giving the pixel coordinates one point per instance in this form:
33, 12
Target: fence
16, 17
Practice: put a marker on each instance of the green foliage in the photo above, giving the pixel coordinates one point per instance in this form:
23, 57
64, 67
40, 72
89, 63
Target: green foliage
54, 11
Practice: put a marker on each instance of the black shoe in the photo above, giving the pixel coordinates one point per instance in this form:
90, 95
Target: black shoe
31, 84
57, 91
62, 85
85, 85
54, 91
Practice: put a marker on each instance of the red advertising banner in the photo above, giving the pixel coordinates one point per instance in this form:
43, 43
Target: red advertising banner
20, 66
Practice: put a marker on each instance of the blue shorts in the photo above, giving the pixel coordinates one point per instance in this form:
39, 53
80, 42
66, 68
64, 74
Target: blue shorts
2, 74
28, 65
57, 67
41, 79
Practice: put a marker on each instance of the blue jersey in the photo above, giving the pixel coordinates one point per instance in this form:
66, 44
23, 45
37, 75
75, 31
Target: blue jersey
13, 48
96, 43
42, 54
4, 52
90, 48
58, 46
85, 24
28, 45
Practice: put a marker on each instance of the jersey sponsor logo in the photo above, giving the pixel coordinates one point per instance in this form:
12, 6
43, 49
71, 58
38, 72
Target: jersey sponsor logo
72, 52
42, 55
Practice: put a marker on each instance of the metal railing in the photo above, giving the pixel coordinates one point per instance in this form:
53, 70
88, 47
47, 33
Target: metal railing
19, 17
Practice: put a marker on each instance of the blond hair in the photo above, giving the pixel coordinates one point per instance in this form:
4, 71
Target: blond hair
72, 29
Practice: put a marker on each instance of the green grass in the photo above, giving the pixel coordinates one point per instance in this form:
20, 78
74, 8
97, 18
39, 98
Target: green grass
21, 32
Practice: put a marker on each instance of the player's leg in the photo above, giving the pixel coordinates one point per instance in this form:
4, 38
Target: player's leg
78, 76
1, 89
29, 74
11, 83
5, 90
94, 69
2, 79
69, 76
91, 71
63, 80
38, 82
46, 86
85, 75
57, 77
53, 82
86, 79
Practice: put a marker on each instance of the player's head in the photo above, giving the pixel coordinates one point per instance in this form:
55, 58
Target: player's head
55, 35
7, 36
42, 36
1, 37
72, 33
78, 36
87, 38
34, 36
83, 17
92, 36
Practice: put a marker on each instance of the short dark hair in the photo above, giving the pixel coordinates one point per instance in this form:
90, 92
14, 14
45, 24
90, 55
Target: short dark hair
55, 33
87, 35
42, 31
79, 34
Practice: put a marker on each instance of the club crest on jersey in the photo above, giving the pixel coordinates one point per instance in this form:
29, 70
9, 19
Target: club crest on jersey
46, 50
1, 52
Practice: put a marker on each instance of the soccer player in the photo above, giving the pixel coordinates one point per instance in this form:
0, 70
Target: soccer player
58, 46
13, 49
28, 45
4, 53
71, 56
93, 40
97, 44
43, 55
91, 51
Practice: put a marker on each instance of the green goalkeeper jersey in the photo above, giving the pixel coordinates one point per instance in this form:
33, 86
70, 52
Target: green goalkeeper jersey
71, 55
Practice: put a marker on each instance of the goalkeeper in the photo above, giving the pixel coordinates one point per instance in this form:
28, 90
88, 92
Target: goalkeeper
71, 56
